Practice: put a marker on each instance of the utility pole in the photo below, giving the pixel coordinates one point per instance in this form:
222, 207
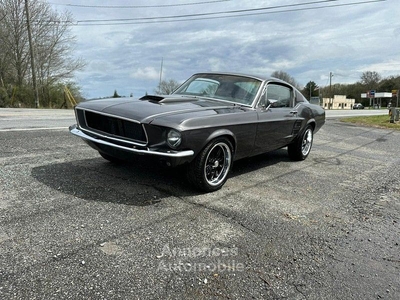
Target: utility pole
28, 23
310, 89
161, 69
330, 89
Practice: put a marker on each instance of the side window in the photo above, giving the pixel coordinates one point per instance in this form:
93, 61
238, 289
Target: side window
279, 95
299, 97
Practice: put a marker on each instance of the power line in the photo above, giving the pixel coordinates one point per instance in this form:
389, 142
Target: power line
209, 16
213, 13
138, 6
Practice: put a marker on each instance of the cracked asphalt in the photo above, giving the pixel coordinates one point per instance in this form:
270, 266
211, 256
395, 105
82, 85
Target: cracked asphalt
74, 226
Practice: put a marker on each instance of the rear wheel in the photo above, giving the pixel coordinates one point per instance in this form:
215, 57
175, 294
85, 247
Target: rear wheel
300, 149
209, 170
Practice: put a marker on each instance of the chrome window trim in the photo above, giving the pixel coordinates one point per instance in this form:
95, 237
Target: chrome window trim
244, 76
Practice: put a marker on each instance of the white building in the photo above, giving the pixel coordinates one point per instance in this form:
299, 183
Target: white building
376, 100
338, 102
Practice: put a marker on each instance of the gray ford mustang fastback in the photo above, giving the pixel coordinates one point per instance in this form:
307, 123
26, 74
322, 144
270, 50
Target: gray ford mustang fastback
208, 122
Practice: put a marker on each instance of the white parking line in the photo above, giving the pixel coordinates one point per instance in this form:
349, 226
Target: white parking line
33, 129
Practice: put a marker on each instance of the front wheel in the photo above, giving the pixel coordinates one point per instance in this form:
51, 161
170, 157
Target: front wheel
301, 147
209, 170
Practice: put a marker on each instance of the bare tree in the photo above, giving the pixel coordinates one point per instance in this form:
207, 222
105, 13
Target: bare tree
286, 77
14, 41
370, 79
167, 87
54, 57
4, 62
52, 42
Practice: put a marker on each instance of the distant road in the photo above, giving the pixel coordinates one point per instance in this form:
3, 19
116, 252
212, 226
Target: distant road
17, 119
21, 119
338, 113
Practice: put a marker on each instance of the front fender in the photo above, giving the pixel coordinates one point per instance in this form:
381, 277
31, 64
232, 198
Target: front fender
221, 132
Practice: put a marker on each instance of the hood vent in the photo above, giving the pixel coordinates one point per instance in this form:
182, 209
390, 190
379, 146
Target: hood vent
167, 98
152, 98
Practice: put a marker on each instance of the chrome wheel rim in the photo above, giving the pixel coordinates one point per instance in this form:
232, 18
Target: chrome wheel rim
307, 142
217, 164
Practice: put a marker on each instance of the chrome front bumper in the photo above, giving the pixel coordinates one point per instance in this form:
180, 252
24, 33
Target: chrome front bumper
173, 154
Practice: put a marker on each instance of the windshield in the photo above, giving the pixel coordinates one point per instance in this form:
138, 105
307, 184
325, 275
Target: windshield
232, 88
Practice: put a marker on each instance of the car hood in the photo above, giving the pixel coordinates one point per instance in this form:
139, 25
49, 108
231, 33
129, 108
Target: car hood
150, 108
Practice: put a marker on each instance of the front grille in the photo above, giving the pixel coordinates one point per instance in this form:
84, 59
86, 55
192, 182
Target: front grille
114, 126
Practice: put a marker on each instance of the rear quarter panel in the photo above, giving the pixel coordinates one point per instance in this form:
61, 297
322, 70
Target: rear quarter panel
311, 114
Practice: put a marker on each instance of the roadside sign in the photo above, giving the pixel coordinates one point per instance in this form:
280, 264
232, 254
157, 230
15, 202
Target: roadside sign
371, 94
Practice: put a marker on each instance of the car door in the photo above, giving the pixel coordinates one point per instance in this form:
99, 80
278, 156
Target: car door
276, 117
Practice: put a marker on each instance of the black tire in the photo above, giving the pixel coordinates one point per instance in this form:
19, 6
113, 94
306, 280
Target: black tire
110, 158
301, 147
209, 170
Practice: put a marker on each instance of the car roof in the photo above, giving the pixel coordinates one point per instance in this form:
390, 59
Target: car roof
258, 77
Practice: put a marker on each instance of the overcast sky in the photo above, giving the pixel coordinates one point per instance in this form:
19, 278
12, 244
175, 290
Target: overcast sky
126, 40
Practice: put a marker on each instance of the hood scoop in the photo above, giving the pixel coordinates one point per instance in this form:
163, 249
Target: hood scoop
152, 98
167, 98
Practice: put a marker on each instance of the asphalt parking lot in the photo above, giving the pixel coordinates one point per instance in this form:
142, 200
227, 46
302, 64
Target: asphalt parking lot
74, 226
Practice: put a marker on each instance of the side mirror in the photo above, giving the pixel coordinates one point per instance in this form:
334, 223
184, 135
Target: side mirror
271, 103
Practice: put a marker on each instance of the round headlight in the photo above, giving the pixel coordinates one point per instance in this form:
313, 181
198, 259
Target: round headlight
174, 138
